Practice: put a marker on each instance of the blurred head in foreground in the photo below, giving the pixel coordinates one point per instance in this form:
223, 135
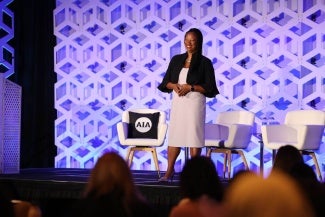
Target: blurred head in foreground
277, 196
111, 175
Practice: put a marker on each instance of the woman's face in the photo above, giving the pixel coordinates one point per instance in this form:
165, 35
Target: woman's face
190, 42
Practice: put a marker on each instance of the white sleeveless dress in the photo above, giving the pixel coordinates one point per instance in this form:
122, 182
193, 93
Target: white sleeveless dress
187, 118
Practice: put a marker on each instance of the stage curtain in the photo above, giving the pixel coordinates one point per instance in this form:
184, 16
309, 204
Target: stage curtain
34, 71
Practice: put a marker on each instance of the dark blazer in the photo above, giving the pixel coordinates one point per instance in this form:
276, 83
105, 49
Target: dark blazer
201, 72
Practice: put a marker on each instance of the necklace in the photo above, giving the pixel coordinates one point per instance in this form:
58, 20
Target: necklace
188, 61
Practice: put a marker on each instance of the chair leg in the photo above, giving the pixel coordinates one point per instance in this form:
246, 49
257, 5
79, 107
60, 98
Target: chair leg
128, 156
241, 153
209, 150
131, 156
155, 158
313, 155
225, 165
273, 155
153, 151
226, 161
229, 163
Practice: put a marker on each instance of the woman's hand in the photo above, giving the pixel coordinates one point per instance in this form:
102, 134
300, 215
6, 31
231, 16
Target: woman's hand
174, 86
184, 89
177, 87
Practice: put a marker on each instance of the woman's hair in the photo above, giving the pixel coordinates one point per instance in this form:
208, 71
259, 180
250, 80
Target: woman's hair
199, 177
111, 179
286, 158
197, 56
111, 175
276, 196
199, 38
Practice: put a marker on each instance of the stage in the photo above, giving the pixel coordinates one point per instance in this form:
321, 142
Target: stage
55, 190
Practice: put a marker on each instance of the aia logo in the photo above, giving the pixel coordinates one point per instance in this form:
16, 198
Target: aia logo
143, 124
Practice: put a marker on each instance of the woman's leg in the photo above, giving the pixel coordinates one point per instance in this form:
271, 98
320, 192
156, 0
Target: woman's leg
195, 152
172, 153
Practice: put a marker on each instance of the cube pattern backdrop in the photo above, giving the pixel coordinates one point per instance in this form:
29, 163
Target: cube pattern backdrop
111, 55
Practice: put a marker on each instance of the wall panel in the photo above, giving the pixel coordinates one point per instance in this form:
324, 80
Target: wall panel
111, 55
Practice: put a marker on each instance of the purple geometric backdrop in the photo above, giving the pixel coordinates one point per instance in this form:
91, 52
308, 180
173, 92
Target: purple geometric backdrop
111, 55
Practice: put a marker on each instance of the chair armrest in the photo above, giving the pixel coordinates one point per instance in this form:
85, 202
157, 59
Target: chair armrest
309, 136
216, 131
239, 136
161, 134
122, 131
274, 136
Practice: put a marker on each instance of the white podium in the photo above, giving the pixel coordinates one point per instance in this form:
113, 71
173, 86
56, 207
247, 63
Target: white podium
10, 122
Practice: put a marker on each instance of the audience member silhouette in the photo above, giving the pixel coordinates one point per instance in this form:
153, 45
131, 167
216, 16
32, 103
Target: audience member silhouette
276, 196
111, 191
10, 207
6, 207
286, 157
201, 189
241, 173
314, 190
26, 209
290, 161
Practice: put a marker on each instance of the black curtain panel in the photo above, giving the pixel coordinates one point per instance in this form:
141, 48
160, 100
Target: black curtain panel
34, 43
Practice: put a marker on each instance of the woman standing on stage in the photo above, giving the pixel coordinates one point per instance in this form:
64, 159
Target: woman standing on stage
190, 77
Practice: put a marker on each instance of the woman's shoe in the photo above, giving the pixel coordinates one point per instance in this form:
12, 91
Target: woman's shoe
167, 179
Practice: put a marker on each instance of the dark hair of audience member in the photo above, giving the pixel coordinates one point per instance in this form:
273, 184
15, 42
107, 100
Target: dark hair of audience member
302, 171
314, 190
278, 195
199, 177
26, 209
110, 191
111, 174
6, 207
240, 174
286, 157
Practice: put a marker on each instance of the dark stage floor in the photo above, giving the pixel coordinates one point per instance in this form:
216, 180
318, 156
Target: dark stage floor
56, 189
